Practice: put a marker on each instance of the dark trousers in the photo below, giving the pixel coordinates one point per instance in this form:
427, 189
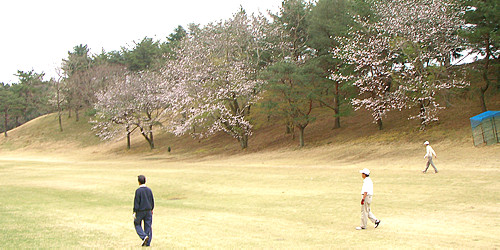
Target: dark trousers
147, 217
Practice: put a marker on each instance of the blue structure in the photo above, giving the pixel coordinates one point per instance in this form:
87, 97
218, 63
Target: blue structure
486, 128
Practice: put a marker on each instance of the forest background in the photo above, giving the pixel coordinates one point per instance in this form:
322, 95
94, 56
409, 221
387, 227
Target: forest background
311, 60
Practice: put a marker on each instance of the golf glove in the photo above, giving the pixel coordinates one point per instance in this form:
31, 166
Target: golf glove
135, 217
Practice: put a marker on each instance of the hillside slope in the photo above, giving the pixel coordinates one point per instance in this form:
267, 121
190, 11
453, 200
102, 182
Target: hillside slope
43, 135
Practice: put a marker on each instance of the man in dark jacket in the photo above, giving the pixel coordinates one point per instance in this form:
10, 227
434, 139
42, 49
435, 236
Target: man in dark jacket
144, 204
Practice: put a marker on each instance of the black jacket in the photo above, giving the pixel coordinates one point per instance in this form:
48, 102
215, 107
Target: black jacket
143, 200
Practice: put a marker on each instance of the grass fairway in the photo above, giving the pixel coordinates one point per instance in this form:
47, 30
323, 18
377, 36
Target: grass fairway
285, 199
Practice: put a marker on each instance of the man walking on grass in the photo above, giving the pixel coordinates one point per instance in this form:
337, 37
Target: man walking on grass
429, 153
144, 204
366, 200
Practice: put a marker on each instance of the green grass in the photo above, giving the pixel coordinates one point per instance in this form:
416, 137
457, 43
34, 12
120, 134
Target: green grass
275, 200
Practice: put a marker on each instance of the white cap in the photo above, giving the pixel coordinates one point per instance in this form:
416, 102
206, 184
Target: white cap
426, 143
365, 171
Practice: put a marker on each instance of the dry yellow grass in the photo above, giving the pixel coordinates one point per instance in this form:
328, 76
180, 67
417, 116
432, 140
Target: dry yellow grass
282, 199
68, 190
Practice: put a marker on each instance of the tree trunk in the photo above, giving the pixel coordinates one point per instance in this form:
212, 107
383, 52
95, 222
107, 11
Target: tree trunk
77, 115
59, 110
243, 141
485, 75
380, 125
148, 136
482, 91
6, 122
60, 122
337, 121
301, 135
290, 130
128, 137
151, 142
336, 106
422, 113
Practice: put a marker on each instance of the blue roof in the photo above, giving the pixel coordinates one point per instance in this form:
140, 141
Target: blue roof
476, 120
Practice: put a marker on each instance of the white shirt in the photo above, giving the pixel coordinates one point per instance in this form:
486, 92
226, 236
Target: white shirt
367, 186
430, 152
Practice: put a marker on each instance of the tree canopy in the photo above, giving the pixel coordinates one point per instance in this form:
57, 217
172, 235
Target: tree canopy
376, 55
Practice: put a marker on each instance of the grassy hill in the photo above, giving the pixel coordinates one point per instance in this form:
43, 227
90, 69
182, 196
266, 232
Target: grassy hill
42, 134
211, 194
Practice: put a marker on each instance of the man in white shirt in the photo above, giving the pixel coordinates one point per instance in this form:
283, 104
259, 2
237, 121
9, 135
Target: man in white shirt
367, 193
429, 154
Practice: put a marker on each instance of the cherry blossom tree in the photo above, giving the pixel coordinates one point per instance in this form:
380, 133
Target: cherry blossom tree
426, 33
216, 78
374, 61
410, 43
135, 101
115, 111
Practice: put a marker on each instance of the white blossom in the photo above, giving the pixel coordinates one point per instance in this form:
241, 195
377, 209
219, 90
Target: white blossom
403, 58
216, 78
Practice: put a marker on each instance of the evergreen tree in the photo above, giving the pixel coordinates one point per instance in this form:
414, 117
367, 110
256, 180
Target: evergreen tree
173, 41
292, 82
10, 105
482, 33
329, 20
78, 91
33, 92
145, 55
